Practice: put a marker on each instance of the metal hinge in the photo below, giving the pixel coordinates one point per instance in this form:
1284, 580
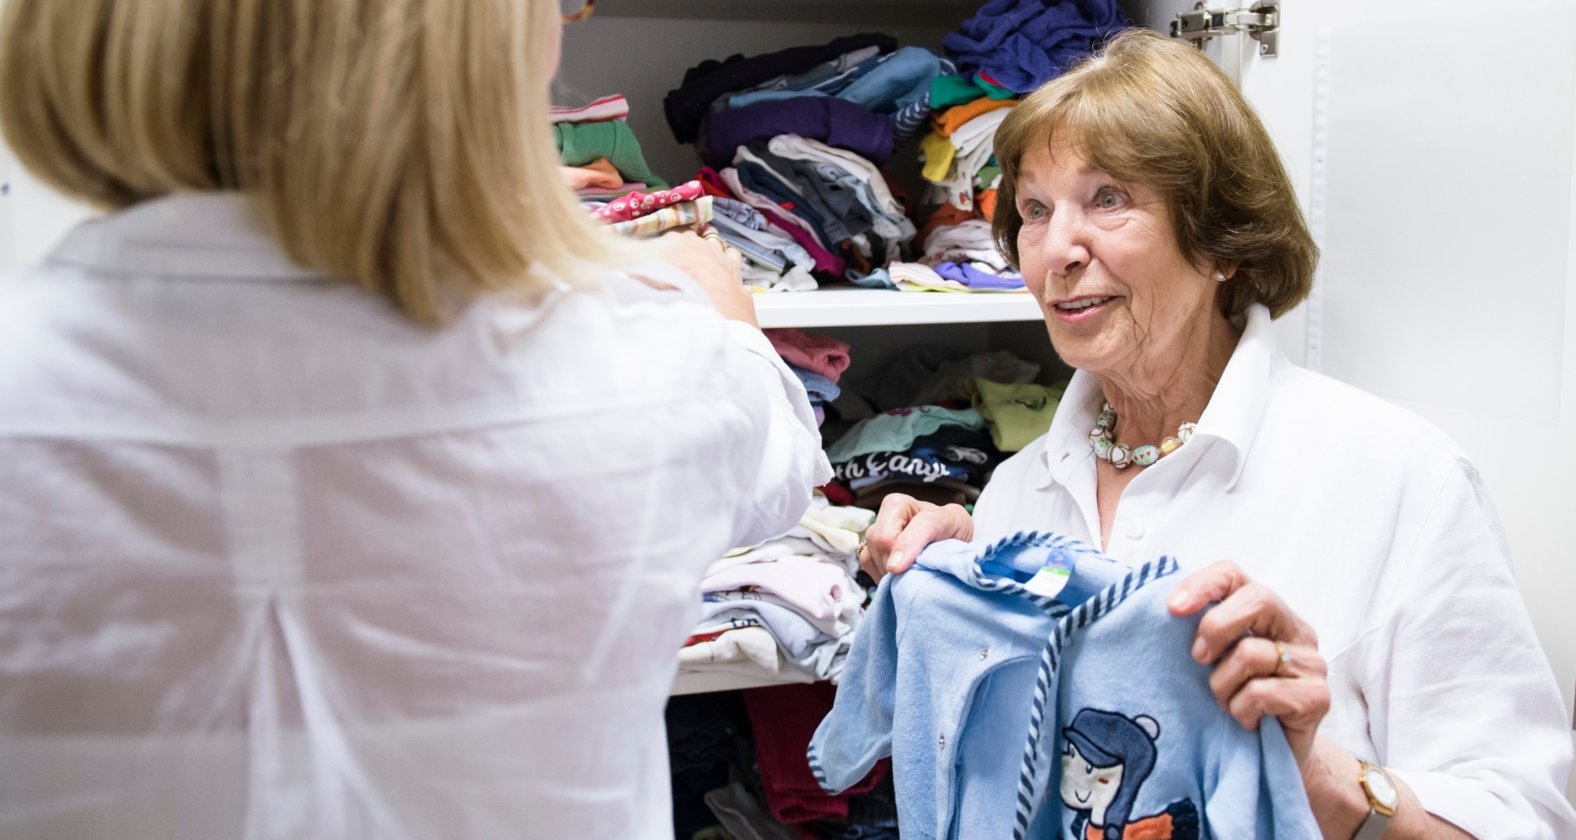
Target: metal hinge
1261, 21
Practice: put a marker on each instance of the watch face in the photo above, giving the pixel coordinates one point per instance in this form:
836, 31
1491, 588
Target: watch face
1380, 786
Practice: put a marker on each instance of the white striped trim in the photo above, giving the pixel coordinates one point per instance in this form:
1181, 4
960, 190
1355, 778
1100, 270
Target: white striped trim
1050, 662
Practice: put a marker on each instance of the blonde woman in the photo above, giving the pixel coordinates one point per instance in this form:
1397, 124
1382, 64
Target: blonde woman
353, 487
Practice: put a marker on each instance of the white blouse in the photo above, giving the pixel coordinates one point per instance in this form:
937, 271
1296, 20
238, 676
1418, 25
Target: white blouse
1374, 528
277, 563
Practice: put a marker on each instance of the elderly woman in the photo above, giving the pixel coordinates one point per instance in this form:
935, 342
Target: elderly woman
1367, 601
353, 485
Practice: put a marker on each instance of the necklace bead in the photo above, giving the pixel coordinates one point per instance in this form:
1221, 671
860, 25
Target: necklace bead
1121, 455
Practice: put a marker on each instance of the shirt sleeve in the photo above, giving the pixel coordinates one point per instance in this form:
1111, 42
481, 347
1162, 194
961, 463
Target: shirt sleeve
994, 509
779, 462
1462, 704
789, 463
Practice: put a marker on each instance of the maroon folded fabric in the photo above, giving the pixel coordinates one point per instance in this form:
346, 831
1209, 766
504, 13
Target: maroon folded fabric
783, 719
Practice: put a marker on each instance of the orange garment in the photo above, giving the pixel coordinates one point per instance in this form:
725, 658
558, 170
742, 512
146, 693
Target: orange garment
948, 121
986, 202
944, 216
1158, 827
599, 173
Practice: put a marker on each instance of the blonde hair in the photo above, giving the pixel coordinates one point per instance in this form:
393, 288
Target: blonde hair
402, 145
1150, 110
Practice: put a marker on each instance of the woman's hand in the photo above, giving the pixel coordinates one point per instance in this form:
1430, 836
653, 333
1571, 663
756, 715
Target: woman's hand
903, 527
1266, 658
1267, 662
715, 268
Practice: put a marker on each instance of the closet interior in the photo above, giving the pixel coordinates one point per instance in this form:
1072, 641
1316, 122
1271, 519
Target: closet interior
642, 50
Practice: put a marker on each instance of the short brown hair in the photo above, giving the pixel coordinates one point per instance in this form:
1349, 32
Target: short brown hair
402, 146
1150, 110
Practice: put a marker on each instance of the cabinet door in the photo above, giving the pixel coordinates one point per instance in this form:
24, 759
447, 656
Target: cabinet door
1433, 146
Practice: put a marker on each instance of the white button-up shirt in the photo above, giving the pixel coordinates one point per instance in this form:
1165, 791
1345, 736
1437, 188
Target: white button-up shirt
1374, 528
276, 562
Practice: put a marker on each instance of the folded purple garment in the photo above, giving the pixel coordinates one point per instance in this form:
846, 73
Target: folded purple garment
974, 278
835, 122
1026, 43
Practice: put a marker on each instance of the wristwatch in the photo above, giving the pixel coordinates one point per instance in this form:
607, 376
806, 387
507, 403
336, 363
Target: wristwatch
1382, 799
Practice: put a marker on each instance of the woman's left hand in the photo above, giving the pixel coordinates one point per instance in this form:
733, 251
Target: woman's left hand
1266, 662
1266, 658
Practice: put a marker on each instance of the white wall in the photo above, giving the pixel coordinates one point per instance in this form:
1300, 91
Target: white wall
32, 216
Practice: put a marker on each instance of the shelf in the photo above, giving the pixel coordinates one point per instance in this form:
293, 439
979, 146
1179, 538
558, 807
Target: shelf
701, 682
879, 307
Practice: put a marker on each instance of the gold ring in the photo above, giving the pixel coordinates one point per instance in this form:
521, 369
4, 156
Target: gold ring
859, 552
1282, 658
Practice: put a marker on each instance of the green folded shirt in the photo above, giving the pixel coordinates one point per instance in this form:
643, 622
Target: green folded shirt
1017, 413
581, 143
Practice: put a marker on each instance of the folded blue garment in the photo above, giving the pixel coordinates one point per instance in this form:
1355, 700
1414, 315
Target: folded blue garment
1023, 44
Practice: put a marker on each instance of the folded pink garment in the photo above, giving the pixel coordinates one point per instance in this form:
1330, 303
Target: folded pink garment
816, 353
613, 107
637, 204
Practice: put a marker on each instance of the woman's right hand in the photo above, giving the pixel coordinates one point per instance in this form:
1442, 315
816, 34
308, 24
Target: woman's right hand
903, 527
715, 268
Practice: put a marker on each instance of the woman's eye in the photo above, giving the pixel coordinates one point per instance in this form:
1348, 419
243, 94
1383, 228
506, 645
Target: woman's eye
1033, 211
1108, 200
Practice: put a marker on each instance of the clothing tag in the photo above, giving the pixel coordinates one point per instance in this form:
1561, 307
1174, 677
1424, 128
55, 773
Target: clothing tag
1050, 579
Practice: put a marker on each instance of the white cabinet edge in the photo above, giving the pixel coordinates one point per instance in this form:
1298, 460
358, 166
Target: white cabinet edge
878, 307
701, 682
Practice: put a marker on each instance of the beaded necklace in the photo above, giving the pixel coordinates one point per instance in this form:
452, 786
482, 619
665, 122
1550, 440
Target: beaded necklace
1121, 455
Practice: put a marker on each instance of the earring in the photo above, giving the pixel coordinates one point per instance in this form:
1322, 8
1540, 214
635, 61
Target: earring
1220, 276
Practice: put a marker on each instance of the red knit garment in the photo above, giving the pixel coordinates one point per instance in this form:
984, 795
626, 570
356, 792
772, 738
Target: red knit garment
783, 719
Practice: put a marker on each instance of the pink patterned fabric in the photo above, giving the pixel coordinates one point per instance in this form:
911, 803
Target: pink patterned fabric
636, 204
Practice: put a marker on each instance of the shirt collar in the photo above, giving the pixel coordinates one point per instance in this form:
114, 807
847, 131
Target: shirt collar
1233, 416
1236, 409
1065, 446
197, 235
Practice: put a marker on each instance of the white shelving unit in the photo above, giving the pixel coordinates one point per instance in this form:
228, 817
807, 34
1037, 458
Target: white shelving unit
700, 682
881, 307
879, 324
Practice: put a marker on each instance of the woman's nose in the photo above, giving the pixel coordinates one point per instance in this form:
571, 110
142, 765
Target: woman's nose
1066, 246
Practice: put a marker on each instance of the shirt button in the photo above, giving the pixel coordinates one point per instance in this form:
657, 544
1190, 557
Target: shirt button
941, 741
985, 652
1135, 529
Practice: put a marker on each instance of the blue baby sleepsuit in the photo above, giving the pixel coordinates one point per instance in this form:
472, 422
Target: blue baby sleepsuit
1012, 714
